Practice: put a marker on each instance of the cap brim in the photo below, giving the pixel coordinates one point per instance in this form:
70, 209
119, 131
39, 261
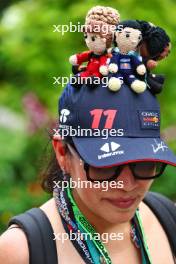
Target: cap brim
112, 151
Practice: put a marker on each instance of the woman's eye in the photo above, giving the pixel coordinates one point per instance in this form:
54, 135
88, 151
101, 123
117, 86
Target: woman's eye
93, 38
139, 37
85, 36
127, 35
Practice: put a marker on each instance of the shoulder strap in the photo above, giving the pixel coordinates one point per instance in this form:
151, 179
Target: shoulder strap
39, 234
165, 211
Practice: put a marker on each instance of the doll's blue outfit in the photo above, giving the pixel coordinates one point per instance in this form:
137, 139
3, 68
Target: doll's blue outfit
127, 64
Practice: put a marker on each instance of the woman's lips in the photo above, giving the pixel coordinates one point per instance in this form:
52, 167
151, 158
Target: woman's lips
121, 202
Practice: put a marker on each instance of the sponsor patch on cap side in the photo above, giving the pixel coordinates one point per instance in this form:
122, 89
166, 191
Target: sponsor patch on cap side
149, 119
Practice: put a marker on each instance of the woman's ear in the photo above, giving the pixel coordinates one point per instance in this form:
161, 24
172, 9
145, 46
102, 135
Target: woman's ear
60, 151
59, 146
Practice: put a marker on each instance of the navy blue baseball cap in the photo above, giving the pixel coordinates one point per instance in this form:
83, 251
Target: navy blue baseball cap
112, 128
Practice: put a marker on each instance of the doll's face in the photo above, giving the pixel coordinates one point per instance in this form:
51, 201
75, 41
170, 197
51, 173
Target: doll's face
95, 42
165, 52
128, 39
144, 51
160, 56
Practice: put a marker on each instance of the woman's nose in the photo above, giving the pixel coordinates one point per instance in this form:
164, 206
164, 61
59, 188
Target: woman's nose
129, 181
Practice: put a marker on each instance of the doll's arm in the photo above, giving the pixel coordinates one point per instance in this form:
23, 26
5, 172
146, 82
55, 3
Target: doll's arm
139, 65
79, 58
151, 64
104, 65
113, 66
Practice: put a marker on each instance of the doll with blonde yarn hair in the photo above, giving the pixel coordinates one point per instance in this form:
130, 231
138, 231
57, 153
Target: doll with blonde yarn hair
100, 24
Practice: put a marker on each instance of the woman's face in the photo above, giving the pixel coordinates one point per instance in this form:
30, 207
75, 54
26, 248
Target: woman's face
113, 205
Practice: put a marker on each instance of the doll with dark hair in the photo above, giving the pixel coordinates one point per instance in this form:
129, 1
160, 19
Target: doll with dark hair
155, 46
125, 64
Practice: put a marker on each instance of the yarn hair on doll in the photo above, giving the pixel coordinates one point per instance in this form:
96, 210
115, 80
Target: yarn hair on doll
102, 21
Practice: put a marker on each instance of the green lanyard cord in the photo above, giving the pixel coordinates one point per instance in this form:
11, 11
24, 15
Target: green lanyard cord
143, 235
88, 228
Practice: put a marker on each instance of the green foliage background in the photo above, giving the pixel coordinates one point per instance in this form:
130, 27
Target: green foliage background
30, 55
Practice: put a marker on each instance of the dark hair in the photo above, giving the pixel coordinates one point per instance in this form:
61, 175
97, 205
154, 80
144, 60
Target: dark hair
155, 38
130, 23
52, 171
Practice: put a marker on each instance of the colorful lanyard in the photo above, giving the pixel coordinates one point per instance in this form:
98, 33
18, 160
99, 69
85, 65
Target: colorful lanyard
69, 222
73, 220
88, 228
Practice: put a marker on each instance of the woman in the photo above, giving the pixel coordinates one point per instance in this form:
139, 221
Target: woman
131, 154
